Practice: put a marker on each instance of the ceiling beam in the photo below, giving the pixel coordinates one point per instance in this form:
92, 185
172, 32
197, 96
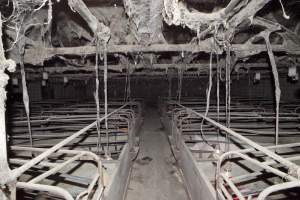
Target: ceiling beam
200, 67
37, 56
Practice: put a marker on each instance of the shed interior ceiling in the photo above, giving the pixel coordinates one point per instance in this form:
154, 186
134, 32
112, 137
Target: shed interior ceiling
149, 99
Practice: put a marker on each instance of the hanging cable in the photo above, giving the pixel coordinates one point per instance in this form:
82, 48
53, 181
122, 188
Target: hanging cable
276, 83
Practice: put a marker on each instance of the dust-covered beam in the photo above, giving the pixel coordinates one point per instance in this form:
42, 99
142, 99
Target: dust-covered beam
37, 56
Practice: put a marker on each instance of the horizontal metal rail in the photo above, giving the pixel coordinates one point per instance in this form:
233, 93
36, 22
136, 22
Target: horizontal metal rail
272, 161
46, 188
19, 171
275, 188
293, 168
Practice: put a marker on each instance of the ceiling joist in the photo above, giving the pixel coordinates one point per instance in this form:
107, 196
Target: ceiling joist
39, 55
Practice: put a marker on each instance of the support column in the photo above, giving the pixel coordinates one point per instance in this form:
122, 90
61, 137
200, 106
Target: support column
7, 181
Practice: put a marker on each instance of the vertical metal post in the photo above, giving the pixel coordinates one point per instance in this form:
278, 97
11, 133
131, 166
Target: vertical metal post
7, 184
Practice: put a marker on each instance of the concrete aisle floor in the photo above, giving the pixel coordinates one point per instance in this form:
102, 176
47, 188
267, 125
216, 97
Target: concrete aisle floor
155, 175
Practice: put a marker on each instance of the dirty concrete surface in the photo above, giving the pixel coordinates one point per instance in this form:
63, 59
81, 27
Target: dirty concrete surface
155, 175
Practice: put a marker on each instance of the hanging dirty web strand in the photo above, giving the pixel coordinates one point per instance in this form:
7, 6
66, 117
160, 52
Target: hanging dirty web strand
276, 83
170, 87
227, 98
218, 77
283, 10
179, 90
22, 18
208, 92
129, 86
127, 90
126, 85
26, 100
17, 19
98, 126
218, 100
105, 100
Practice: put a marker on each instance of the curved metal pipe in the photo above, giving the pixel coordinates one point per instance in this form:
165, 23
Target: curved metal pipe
46, 188
278, 187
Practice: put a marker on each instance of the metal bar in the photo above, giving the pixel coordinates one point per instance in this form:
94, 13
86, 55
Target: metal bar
291, 166
233, 187
55, 169
278, 187
259, 173
17, 172
260, 164
46, 188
